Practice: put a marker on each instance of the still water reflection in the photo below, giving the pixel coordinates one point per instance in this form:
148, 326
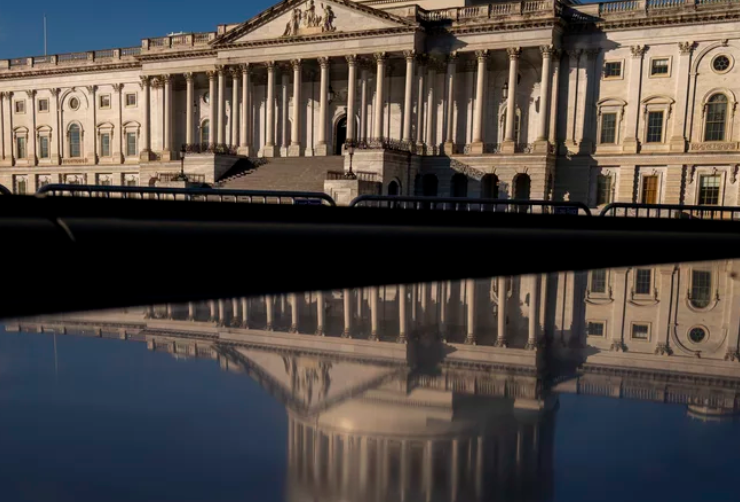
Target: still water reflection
608, 384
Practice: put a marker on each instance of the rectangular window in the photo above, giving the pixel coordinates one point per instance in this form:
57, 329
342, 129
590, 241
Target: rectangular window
104, 181
613, 69
603, 190
640, 331
43, 105
659, 67
649, 189
20, 147
598, 281
595, 328
130, 99
131, 150
643, 281
105, 101
21, 185
709, 186
20, 107
105, 145
609, 128
43, 147
654, 127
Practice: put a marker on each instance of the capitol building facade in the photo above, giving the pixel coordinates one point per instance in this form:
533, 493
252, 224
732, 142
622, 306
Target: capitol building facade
630, 101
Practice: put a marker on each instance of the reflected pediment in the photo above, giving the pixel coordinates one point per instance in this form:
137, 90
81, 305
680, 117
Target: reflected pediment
296, 19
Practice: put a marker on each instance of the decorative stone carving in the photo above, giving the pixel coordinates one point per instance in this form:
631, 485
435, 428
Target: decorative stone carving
618, 346
295, 64
638, 50
685, 48
546, 51
211, 74
323, 62
719, 146
31, 93
188, 76
662, 349
351, 59
380, 57
732, 355
409, 55
307, 22
514, 52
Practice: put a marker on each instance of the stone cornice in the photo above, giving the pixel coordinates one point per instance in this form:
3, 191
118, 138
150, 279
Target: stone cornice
69, 70
674, 18
524, 24
322, 37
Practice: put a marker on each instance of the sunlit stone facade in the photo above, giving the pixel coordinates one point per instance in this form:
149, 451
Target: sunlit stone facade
620, 101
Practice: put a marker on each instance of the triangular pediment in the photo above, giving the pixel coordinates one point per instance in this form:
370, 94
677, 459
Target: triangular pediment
299, 19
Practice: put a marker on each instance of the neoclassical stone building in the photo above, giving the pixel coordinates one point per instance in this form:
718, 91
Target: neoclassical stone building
621, 101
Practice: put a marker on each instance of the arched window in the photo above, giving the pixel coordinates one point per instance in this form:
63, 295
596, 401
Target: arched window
715, 117
459, 185
394, 188
205, 132
522, 185
701, 288
429, 185
75, 149
489, 186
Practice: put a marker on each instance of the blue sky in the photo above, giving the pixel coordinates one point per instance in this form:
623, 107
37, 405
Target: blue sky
91, 24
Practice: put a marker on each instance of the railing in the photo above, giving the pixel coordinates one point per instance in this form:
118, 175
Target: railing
219, 148
606, 9
19, 62
72, 57
472, 205
488, 11
189, 194
359, 175
42, 60
676, 211
195, 178
4, 190
202, 38
105, 54
131, 51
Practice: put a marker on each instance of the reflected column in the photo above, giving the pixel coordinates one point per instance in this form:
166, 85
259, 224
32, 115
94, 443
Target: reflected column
442, 300
320, 322
235, 312
245, 312
191, 311
347, 314
293, 313
533, 303
470, 338
501, 287
402, 313
221, 313
270, 309
212, 309
373, 313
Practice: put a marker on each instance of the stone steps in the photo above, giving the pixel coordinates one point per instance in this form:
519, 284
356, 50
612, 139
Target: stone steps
305, 174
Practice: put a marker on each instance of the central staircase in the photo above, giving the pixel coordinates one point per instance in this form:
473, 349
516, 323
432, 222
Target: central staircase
304, 174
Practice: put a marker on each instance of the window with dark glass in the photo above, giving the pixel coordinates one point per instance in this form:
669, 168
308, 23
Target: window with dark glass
650, 189
20, 107
20, 147
697, 335
43, 147
20, 186
595, 328
701, 288
608, 128
105, 101
43, 105
603, 190
105, 145
130, 99
205, 132
654, 127
131, 149
659, 67
716, 118
643, 281
613, 69
641, 331
709, 186
74, 141
598, 281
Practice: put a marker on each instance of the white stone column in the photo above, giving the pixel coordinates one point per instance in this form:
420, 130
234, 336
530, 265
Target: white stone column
322, 149
408, 94
510, 140
320, 322
420, 93
285, 82
295, 130
402, 324
347, 304
269, 149
236, 75
167, 130
146, 147
542, 121
451, 122
294, 313
351, 98
364, 78
679, 136
431, 106
373, 291
221, 114
442, 300
380, 60
480, 90
501, 286
212, 108
533, 317
555, 94
189, 99
470, 338
632, 113
32, 149
270, 309
245, 136
2, 126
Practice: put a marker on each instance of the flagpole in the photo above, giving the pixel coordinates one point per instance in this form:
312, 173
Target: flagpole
45, 47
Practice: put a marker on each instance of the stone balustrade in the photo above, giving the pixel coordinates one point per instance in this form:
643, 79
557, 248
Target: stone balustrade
629, 8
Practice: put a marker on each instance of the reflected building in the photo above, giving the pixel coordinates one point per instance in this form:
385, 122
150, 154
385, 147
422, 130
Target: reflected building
448, 390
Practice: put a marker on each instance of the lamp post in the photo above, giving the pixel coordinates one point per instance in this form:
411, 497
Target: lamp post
351, 151
505, 90
182, 176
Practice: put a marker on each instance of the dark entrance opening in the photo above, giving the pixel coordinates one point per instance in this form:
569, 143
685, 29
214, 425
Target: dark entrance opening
429, 185
489, 186
394, 188
341, 136
521, 187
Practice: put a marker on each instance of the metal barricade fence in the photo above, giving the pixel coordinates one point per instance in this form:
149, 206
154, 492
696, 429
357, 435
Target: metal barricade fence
189, 194
473, 205
673, 211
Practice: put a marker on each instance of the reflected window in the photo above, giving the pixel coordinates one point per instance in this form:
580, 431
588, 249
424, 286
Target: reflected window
640, 331
701, 288
603, 190
595, 328
74, 141
598, 281
643, 281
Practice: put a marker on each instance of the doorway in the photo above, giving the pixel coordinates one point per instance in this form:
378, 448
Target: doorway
522, 187
341, 136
